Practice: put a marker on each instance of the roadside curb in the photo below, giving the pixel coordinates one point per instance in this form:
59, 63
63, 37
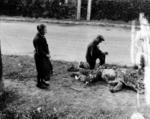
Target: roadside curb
73, 22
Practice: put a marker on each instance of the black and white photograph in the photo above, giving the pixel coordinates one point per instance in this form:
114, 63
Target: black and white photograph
74, 59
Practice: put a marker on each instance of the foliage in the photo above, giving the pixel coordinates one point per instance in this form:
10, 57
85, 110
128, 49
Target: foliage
125, 10
37, 8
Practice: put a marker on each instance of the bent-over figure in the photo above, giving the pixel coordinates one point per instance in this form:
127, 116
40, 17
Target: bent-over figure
93, 52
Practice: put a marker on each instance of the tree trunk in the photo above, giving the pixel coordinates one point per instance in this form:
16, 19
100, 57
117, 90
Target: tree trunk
1, 80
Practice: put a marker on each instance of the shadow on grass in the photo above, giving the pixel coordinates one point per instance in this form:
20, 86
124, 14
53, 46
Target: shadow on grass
6, 98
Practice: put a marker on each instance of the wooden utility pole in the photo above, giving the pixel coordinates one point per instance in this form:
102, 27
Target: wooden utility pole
78, 9
89, 10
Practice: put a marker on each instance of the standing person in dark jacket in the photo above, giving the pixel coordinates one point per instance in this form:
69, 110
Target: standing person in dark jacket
93, 52
42, 57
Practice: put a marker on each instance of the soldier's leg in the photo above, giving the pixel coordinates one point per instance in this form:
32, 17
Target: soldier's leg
51, 68
92, 64
117, 88
102, 58
113, 83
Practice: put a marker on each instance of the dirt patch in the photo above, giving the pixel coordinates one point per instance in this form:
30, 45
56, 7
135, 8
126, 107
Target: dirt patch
66, 97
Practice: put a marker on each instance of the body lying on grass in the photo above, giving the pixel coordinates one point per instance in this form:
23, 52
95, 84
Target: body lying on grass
116, 77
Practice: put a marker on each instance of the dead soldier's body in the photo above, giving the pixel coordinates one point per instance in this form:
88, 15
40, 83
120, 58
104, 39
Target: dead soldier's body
116, 78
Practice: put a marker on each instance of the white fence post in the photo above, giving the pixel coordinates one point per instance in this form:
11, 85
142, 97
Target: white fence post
89, 10
141, 48
78, 9
132, 49
66, 1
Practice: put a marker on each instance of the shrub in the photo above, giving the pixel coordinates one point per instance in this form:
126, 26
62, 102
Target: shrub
37, 8
125, 10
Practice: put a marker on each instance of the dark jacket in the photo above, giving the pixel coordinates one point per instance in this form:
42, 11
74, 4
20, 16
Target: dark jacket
40, 45
43, 63
93, 52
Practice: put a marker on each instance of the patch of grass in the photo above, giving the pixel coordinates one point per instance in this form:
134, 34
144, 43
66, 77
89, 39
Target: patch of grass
60, 102
18, 67
23, 67
13, 113
6, 98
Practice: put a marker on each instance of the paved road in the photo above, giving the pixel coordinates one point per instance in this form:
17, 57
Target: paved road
66, 42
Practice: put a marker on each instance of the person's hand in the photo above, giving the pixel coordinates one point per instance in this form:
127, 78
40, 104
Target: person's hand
106, 53
48, 56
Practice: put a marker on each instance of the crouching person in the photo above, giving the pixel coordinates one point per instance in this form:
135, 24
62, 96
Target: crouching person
93, 53
42, 57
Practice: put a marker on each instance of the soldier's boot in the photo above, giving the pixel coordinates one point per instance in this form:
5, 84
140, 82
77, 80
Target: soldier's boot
102, 59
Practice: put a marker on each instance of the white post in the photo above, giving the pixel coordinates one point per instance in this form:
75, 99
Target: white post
89, 10
78, 9
132, 49
66, 1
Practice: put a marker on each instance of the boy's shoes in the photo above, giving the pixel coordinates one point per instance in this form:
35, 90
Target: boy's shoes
42, 86
45, 83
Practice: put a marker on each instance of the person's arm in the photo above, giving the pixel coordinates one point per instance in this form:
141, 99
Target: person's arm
101, 52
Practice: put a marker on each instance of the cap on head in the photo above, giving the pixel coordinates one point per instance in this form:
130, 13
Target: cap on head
100, 38
41, 27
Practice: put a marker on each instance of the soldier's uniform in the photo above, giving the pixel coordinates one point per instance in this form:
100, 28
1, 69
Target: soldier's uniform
116, 78
128, 77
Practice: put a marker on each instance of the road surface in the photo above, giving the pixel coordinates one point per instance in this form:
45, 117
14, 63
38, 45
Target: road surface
66, 42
